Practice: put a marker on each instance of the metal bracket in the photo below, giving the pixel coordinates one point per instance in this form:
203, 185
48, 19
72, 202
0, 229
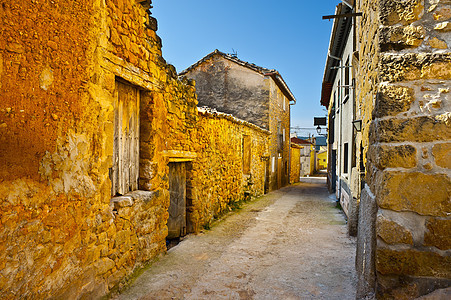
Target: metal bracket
359, 14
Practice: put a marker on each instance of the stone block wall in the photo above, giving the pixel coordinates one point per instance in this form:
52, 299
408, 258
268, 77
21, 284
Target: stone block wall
404, 101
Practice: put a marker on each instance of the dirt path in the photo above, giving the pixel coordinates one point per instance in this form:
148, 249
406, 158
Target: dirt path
290, 244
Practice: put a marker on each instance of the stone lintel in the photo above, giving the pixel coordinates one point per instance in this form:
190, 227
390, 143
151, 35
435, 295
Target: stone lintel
179, 155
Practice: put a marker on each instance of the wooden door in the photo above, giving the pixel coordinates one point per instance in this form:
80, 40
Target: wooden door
279, 173
177, 206
267, 172
125, 169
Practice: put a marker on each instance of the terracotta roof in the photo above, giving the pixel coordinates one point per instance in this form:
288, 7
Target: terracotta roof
274, 74
299, 141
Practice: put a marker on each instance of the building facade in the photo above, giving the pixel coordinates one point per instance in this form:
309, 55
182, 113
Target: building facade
252, 93
338, 95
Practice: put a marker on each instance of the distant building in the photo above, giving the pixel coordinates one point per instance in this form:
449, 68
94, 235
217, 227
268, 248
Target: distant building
321, 159
306, 156
251, 93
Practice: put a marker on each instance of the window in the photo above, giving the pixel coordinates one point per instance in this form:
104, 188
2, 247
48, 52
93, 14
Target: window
125, 170
331, 133
345, 158
280, 137
246, 154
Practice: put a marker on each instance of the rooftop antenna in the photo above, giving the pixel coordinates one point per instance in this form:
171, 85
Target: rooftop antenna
234, 53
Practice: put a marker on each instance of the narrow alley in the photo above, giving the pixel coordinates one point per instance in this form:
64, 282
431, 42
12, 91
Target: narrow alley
289, 244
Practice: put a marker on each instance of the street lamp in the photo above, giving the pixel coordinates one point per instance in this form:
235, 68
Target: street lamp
318, 129
320, 121
357, 125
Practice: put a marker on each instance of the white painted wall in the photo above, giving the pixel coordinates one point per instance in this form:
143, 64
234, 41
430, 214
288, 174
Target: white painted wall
344, 111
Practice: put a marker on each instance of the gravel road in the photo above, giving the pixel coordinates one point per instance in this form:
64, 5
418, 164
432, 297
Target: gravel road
289, 244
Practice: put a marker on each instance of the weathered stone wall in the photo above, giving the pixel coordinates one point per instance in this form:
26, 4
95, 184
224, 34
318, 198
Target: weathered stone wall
51, 208
403, 96
295, 171
216, 176
62, 234
232, 88
366, 89
243, 90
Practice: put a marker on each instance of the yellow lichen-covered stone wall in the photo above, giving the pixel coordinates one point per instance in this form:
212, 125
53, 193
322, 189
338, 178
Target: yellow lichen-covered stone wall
62, 234
403, 86
295, 172
51, 183
216, 176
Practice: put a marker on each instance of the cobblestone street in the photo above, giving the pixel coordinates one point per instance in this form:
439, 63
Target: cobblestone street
289, 244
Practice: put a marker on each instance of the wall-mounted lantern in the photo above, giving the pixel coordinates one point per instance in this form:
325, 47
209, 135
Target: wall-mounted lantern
357, 124
320, 121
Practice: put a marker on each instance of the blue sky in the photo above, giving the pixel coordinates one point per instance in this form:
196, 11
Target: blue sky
287, 35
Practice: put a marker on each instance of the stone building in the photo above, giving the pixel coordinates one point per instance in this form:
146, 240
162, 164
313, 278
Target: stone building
401, 63
98, 138
252, 93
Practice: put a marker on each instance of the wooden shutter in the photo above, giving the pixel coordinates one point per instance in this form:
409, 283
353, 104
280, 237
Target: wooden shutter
125, 170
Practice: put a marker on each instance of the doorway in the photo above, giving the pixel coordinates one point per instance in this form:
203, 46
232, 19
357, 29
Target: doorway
267, 172
333, 165
177, 203
279, 173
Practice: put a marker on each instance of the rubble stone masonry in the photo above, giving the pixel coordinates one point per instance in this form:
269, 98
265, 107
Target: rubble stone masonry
295, 158
62, 234
403, 98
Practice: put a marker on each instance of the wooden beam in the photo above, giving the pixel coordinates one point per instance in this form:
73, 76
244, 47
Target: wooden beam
359, 14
